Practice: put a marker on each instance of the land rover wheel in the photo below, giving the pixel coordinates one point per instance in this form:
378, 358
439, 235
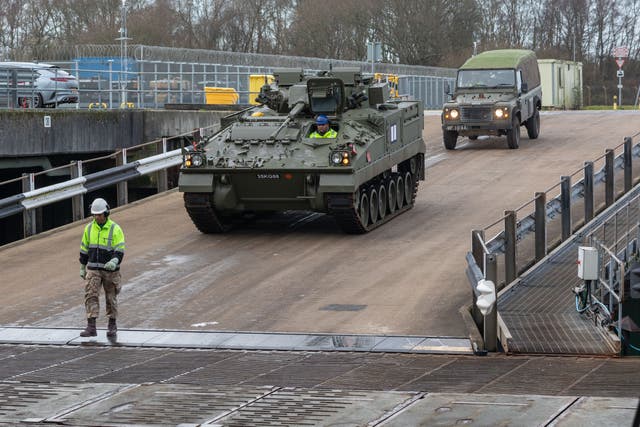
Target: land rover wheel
513, 134
450, 138
533, 125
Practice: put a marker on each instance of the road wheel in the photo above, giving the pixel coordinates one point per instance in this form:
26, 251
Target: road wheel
382, 201
363, 209
450, 138
373, 205
513, 134
408, 188
399, 192
533, 125
391, 195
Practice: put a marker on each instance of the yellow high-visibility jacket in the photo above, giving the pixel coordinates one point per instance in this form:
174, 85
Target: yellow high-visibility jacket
100, 244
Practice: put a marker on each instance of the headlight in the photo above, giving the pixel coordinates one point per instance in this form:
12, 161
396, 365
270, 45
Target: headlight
501, 113
196, 160
451, 114
340, 158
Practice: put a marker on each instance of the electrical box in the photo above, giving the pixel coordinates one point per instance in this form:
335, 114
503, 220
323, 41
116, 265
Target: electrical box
587, 263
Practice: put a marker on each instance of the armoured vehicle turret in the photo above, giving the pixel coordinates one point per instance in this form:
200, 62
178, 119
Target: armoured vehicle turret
264, 159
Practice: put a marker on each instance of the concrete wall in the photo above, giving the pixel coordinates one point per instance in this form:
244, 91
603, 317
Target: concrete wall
23, 132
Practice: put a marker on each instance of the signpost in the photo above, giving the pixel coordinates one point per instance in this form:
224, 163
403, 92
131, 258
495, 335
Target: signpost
620, 53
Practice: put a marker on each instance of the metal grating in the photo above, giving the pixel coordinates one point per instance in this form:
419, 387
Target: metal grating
299, 407
539, 312
15, 397
543, 376
168, 366
96, 365
464, 375
238, 369
39, 358
20, 401
164, 405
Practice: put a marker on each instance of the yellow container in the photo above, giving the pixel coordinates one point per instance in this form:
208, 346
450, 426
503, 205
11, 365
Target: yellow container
221, 95
391, 79
256, 81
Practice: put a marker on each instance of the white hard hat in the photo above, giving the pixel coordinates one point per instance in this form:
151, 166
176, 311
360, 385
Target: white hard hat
99, 206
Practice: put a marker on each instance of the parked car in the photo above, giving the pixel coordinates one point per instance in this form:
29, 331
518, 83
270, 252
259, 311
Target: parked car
37, 85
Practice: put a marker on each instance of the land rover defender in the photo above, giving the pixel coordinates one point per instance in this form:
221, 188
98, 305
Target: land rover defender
496, 92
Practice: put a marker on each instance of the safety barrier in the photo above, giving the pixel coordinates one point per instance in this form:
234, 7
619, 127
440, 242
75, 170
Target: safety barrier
521, 243
27, 201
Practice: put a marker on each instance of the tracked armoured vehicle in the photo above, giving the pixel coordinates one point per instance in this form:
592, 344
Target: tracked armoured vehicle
264, 160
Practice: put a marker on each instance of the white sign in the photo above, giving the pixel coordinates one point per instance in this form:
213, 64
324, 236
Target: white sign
619, 73
620, 62
621, 51
47, 121
619, 86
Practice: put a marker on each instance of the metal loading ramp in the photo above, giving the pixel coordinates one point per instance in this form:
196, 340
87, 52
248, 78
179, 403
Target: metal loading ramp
537, 312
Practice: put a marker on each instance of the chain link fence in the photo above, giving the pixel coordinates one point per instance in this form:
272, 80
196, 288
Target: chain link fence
149, 76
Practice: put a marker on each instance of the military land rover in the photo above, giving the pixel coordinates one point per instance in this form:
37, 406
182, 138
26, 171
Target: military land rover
496, 92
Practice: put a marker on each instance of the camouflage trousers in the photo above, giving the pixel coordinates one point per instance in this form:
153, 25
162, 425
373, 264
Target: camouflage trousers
110, 282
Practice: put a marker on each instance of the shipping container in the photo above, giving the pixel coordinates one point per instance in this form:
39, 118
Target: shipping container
561, 84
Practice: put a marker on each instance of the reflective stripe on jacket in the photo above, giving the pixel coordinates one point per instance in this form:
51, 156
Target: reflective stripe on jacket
100, 244
328, 134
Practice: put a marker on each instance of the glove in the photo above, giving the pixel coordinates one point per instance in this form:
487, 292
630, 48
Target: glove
111, 265
83, 271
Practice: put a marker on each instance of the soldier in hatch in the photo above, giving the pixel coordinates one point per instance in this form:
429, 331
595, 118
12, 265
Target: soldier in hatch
322, 128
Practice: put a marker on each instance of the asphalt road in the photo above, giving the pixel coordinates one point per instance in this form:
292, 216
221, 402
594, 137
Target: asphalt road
299, 272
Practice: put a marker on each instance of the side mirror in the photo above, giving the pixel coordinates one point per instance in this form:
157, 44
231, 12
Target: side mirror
524, 87
447, 89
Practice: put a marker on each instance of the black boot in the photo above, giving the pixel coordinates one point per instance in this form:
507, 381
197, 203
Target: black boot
90, 330
113, 329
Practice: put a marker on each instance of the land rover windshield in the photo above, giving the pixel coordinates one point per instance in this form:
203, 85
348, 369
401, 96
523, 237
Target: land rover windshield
471, 79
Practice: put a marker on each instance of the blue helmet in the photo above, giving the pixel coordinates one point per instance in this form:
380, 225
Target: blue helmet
322, 120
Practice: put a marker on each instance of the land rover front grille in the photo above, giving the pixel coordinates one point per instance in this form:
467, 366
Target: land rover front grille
474, 114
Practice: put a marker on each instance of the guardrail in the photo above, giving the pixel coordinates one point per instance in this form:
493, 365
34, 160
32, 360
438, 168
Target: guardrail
526, 237
32, 198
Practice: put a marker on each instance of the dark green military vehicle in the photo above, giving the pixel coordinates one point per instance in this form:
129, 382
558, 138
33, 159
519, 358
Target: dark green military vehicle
263, 160
496, 92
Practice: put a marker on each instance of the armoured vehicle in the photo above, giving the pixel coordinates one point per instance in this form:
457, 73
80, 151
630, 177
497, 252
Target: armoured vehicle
263, 159
496, 92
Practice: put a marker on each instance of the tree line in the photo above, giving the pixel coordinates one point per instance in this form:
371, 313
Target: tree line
417, 32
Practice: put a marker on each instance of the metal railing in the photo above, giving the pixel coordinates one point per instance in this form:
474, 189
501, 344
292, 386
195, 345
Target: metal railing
127, 167
617, 240
524, 236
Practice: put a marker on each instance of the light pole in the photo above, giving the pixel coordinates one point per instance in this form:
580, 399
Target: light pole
124, 68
